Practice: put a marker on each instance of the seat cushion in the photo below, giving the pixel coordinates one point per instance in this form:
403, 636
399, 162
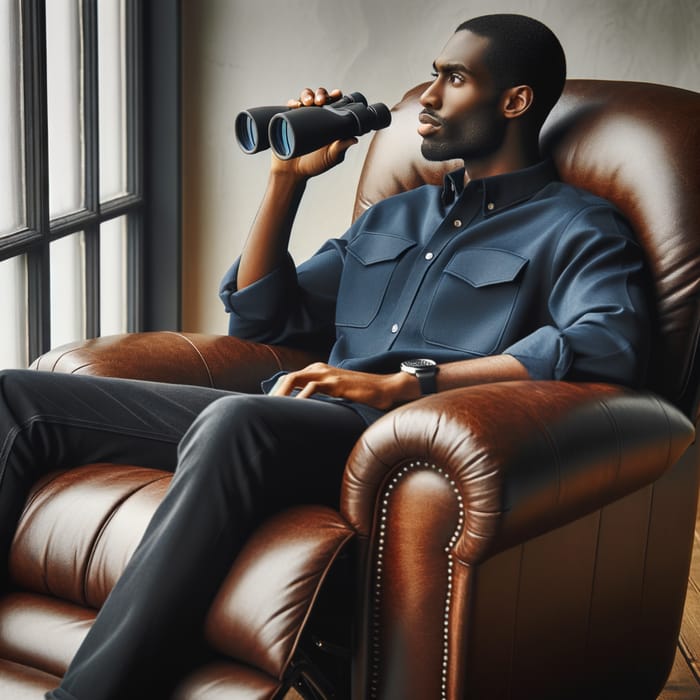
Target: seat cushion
41, 632
80, 527
18, 682
74, 539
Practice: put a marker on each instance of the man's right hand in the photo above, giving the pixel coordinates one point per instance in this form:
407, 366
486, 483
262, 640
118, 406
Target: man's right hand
265, 249
317, 162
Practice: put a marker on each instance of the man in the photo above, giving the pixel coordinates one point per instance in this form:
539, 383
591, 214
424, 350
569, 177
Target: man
502, 227
503, 273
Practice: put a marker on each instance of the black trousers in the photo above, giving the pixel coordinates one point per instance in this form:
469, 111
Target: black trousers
236, 459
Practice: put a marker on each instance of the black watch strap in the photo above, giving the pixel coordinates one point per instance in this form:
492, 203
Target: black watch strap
427, 379
425, 372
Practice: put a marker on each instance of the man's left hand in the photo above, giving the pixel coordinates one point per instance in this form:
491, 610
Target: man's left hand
382, 391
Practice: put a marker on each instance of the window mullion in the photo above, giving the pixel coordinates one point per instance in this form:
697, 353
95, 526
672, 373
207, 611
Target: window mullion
36, 177
92, 164
91, 105
134, 96
134, 120
92, 280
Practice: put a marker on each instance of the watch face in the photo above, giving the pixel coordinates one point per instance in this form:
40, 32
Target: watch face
419, 363
424, 370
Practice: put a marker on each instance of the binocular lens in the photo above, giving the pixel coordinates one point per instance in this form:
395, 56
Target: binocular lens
251, 127
283, 137
246, 132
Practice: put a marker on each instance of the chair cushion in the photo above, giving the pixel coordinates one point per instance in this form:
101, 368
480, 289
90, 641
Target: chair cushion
75, 537
80, 527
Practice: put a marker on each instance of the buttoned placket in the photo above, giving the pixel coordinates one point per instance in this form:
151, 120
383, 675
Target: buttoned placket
467, 207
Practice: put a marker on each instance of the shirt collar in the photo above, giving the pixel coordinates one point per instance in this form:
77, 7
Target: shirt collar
501, 191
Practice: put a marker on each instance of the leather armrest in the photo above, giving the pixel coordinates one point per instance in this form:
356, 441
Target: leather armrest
521, 457
219, 361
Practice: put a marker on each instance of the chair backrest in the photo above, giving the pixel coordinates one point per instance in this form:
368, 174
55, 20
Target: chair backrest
636, 144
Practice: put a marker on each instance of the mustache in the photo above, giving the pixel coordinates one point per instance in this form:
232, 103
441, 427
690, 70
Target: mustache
429, 116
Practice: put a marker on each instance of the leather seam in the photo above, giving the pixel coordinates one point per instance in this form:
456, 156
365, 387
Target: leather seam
103, 527
201, 357
275, 356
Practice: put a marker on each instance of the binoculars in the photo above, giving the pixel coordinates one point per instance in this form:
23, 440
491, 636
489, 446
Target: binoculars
292, 132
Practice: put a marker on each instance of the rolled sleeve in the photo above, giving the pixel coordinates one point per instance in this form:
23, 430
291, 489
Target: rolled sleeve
545, 354
262, 300
599, 307
290, 305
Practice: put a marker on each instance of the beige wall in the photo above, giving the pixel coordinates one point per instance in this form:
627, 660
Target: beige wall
243, 53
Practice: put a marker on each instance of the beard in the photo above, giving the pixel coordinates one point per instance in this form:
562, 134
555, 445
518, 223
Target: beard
476, 136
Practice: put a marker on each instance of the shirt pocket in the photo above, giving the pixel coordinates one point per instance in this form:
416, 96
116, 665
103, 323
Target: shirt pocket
369, 265
474, 300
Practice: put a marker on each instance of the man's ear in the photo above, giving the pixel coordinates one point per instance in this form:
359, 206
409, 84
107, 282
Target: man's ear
517, 100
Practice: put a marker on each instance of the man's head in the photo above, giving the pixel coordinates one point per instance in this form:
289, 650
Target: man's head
494, 69
523, 51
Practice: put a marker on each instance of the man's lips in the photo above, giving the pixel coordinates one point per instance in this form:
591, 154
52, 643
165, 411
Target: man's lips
429, 123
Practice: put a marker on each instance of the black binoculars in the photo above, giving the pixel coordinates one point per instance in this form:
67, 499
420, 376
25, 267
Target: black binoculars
293, 132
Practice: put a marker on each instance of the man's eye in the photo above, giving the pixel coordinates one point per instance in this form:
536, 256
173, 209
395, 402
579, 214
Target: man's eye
456, 78
434, 74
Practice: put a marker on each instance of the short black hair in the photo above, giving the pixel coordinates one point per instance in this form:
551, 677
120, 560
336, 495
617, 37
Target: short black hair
523, 51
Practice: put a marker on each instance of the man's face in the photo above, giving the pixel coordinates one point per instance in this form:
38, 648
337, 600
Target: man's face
461, 116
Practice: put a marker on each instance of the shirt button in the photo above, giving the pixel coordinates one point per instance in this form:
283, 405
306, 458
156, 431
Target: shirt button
457, 223
395, 328
429, 256
490, 206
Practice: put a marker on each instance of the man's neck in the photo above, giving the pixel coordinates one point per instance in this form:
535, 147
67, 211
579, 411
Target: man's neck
507, 159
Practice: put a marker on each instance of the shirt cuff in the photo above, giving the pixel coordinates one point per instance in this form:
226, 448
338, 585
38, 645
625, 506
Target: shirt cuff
545, 354
260, 301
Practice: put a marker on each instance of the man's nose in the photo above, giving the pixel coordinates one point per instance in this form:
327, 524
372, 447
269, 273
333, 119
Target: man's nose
430, 96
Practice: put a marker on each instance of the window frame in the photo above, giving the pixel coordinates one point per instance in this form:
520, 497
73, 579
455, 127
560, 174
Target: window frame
152, 201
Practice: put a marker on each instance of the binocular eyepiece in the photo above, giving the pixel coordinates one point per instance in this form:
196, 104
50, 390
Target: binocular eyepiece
293, 132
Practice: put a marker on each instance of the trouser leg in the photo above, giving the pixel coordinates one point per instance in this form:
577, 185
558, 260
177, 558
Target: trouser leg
49, 421
243, 458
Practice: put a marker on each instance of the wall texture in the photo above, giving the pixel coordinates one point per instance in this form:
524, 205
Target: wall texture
239, 54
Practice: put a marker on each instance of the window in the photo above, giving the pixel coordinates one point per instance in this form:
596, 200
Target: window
71, 184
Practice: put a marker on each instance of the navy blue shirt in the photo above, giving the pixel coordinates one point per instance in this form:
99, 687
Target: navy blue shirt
521, 264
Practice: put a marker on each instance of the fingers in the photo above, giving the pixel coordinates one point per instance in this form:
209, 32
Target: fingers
283, 387
319, 97
309, 390
305, 99
323, 97
305, 380
338, 149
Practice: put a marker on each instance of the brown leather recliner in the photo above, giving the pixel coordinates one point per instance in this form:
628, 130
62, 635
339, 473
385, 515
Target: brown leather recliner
518, 540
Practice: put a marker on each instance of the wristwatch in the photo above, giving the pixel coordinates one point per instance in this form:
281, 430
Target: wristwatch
425, 371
